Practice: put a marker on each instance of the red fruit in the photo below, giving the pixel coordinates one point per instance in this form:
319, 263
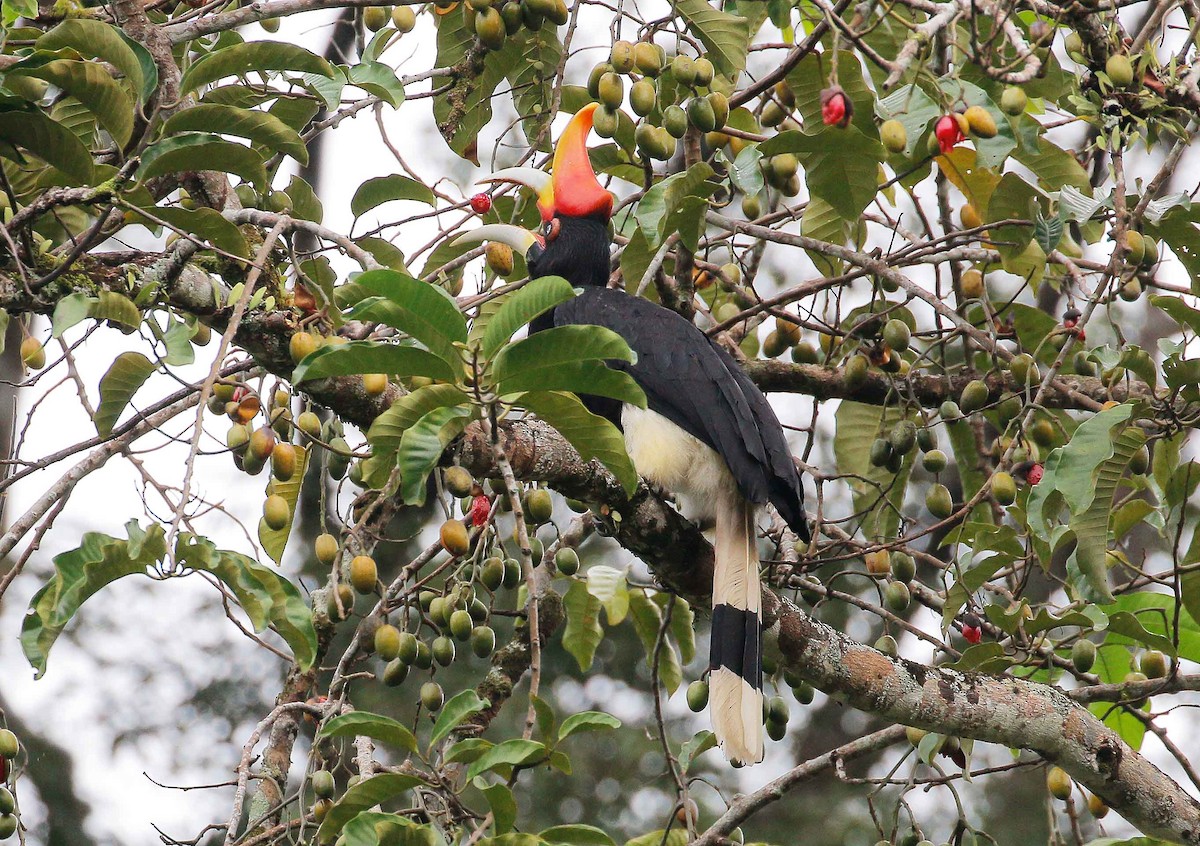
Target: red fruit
3, 769
480, 508
240, 393
972, 632
481, 204
836, 109
948, 132
1082, 335
1035, 474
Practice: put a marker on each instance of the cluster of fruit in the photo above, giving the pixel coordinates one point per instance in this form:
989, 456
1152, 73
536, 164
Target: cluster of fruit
10, 747
775, 713
898, 569
667, 96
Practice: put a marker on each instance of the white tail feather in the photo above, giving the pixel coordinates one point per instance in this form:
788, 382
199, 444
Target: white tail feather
735, 704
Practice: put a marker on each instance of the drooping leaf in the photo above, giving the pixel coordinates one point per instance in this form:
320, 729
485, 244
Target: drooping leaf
384, 189
458, 708
378, 79
510, 753
306, 205
195, 151
99, 560
115, 308
502, 803
127, 373
207, 225
576, 835
91, 85
841, 166
366, 794
358, 357
609, 586
647, 619
100, 40
375, 726
249, 57
587, 721
274, 541
726, 36
568, 358
268, 598
70, 311
389, 427
422, 445
423, 311
878, 493
668, 195
522, 306
591, 435
50, 141
257, 127
582, 634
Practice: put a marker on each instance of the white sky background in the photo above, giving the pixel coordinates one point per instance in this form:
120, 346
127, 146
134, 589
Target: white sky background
172, 620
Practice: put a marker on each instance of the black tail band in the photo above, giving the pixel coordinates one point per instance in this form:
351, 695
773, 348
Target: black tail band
736, 643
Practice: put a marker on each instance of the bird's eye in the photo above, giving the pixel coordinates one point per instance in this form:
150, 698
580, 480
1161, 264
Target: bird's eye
551, 229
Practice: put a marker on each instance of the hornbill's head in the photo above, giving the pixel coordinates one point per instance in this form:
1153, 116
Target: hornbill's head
573, 240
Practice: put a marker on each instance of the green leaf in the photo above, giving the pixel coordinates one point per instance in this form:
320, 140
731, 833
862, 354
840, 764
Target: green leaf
422, 445
532, 79
258, 127
961, 166
375, 726
366, 794
306, 205
582, 633
424, 311
913, 108
91, 85
1179, 311
647, 619
677, 836
1112, 665
877, 492
841, 166
823, 222
50, 141
460, 706
502, 803
103, 41
568, 358
274, 541
990, 152
357, 357
1054, 167
78, 574
70, 311
266, 597
608, 585
378, 79
1180, 232
178, 342
389, 427
726, 36
1012, 198
587, 721
127, 373
696, 746
115, 308
591, 435
745, 171
510, 753
207, 225
384, 189
577, 835
811, 75
195, 151
251, 56
668, 195
522, 306
683, 629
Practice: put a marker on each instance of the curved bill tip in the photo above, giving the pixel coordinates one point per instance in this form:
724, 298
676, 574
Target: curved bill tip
521, 240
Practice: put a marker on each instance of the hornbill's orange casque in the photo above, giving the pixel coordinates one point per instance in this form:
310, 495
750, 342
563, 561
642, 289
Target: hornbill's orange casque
707, 433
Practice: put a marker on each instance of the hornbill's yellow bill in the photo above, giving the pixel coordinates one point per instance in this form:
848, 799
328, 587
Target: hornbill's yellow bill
708, 434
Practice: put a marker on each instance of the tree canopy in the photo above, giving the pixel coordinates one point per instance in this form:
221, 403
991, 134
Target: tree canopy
954, 241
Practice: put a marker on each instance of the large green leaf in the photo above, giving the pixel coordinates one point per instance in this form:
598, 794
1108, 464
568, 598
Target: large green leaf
258, 127
458, 708
206, 224
127, 373
1054, 166
668, 196
532, 80
647, 622
591, 435
915, 109
267, 597
78, 574
375, 726
1178, 228
1013, 198
366, 794
726, 36
358, 357
389, 427
275, 540
422, 445
568, 358
384, 189
50, 141
811, 75
90, 84
520, 307
508, 754
586, 721
378, 79
195, 151
1113, 663
250, 56
878, 493
115, 308
823, 222
424, 311
100, 40
841, 166
582, 633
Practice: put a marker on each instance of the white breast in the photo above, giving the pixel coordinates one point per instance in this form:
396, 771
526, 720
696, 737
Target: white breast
669, 457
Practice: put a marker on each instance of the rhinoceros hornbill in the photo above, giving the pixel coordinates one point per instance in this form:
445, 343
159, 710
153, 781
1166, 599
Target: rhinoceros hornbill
707, 433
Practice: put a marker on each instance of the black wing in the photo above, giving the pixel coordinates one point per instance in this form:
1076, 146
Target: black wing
700, 388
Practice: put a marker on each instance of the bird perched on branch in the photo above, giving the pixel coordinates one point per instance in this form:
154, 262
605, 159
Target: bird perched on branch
708, 434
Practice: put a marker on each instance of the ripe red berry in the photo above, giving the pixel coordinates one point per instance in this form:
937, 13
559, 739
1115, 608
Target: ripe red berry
240, 393
948, 133
1035, 474
836, 109
972, 631
481, 506
481, 203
